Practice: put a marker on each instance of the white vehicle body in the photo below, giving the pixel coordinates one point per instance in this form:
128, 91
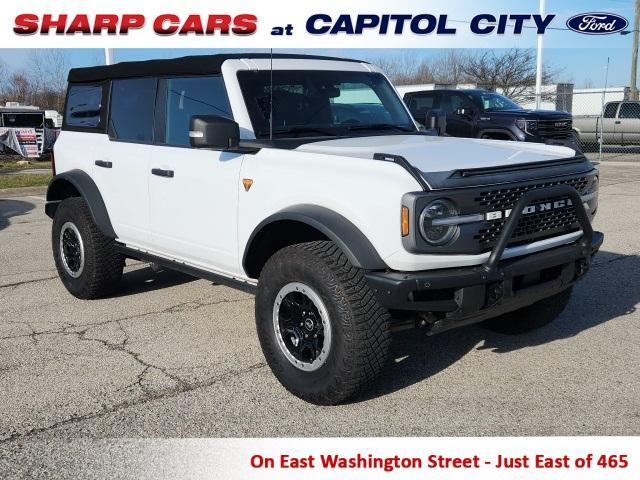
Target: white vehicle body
182, 218
306, 181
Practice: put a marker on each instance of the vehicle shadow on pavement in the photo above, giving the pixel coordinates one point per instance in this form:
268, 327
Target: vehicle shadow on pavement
10, 208
607, 293
148, 279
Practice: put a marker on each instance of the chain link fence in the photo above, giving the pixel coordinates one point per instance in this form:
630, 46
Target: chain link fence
606, 123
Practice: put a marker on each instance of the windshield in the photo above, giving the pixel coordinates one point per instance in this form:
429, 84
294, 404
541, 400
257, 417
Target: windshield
322, 103
491, 101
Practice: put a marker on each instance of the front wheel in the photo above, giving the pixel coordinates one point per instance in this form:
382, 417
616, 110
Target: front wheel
532, 317
321, 329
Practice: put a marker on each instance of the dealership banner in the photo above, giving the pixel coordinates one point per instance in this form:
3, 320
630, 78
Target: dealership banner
23, 141
332, 23
534, 458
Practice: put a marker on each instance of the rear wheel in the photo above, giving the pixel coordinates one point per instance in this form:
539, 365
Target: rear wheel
87, 261
321, 329
532, 317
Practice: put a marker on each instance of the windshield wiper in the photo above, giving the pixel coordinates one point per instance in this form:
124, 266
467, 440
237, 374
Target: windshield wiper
298, 130
380, 126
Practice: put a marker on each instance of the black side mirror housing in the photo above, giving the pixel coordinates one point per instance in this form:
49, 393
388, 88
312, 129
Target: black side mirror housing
436, 122
212, 131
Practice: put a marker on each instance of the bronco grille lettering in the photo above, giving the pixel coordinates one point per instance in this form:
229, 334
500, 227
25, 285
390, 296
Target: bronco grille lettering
530, 209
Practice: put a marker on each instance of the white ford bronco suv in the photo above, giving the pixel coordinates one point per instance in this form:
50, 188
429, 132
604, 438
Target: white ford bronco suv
305, 180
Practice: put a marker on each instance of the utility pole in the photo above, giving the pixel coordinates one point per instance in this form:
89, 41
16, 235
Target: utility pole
539, 63
108, 55
634, 53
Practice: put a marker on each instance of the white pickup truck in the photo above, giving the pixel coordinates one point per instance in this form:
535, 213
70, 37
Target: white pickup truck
306, 181
619, 125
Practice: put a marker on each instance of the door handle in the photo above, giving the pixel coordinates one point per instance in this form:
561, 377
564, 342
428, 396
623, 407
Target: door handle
162, 173
103, 164
618, 122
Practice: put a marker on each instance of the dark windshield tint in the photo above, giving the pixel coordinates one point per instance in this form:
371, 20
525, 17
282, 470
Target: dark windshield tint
491, 101
322, 103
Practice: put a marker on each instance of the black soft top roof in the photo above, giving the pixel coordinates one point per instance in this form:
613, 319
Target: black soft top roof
192, 65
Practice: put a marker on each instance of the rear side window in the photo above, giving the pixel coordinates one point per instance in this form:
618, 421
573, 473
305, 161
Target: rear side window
132, 109
189, 96
610, 110
84, 106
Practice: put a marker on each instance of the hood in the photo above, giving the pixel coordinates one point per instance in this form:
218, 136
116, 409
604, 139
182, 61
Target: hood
529, 114
438, 154
447, 162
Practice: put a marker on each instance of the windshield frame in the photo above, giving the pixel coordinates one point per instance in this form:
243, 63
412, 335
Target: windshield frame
260, 123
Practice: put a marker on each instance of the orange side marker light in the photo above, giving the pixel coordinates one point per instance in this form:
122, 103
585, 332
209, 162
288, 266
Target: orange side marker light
404, 221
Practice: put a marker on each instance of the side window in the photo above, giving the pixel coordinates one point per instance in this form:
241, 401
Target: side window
191, 96
421, 104
84, 106
630, 110
452, 101
132, 109
610, 110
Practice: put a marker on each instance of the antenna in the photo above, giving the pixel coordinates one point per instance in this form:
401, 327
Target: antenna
271, 99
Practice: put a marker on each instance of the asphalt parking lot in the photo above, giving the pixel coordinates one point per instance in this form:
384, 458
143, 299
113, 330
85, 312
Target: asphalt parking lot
172, 356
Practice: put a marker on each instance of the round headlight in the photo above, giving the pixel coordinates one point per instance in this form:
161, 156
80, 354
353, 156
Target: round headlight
433, 230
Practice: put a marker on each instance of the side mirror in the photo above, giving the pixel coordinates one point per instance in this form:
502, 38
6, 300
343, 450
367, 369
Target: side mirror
436, 122
212, 131
464, 112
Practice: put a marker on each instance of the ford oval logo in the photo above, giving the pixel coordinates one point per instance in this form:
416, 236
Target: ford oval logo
597, 23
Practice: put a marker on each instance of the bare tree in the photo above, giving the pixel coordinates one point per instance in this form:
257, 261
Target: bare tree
404, 69
448, 68
49, 69
3, 81
18, 88
512, 71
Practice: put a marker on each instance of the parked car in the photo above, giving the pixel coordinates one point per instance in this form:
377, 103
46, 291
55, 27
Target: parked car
619, 124
248, 170
476, 113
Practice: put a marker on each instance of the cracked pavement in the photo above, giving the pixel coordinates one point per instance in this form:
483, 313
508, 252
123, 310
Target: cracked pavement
172, 356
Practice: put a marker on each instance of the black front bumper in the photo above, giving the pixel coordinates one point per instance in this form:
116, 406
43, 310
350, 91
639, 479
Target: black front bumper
461, 296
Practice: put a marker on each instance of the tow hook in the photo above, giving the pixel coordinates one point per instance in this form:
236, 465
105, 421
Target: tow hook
582, 267
495, 292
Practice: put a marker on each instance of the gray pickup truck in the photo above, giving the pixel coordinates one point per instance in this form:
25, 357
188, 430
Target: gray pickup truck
620, 125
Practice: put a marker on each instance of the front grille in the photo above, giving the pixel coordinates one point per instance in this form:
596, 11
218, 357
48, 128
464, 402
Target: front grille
506, 197
559, 128
538, 226
531, 227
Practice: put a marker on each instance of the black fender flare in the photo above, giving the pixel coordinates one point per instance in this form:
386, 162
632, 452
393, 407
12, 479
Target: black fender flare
355, 245
87, 189
498, 130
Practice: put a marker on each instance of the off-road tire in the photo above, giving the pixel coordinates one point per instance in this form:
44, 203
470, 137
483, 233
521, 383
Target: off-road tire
532, 317
360, 327
103, 265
